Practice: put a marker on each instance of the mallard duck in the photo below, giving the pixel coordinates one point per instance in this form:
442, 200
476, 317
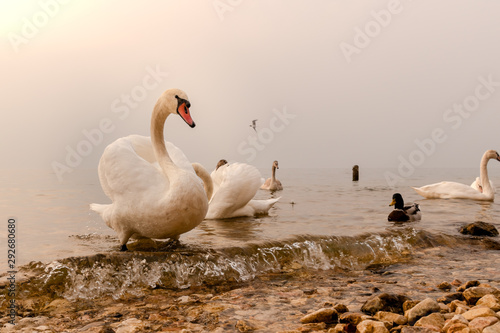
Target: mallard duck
402, 213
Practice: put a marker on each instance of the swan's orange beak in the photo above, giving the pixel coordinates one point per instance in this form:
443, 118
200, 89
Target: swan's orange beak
183, 111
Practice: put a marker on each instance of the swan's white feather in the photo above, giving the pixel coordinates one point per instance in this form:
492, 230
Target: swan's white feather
475, 185
133, 180
235, 185
450, 190
125, 172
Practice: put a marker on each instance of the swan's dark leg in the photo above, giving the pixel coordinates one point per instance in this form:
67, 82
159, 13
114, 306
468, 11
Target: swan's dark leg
124, 235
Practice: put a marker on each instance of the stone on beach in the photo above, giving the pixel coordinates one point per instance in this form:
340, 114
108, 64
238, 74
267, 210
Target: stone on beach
478, 312
468, 284
457, 319
480, 323
371, 326
353, 318
458, 328
492, 329
130, 325
384, 302
446, 286
433, 321
479, 229
422, 309
325, 315
473, 294
393, 318
490, 301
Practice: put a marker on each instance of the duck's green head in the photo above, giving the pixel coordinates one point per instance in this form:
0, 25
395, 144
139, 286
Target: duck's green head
397, 201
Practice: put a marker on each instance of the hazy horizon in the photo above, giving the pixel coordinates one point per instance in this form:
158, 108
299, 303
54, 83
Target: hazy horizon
332, 84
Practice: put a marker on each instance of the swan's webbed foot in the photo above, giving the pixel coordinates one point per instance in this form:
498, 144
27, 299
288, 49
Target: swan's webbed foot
124, 247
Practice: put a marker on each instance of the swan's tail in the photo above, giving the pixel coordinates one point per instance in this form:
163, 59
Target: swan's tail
418, 190
262, 206
98, 208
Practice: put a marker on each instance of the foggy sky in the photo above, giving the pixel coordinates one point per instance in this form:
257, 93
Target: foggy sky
332, 83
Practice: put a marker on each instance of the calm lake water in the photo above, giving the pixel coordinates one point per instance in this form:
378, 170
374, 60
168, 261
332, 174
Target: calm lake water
322, 220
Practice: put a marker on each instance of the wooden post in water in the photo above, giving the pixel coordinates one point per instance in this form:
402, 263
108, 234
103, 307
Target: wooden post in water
355, 173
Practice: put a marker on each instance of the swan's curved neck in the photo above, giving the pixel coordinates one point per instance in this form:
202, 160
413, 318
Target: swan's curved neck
158, 141
483, 175
273, 177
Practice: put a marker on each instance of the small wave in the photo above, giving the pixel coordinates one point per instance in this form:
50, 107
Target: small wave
117, 273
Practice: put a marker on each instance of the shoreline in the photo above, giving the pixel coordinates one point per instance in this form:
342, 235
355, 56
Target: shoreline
272, 302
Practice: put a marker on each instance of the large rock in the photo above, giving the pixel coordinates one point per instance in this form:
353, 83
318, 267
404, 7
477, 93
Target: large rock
391, 317
479, 229
492, 329
480, 323
325, 315
427, 306
445, 285
372, 326
353, 318
456, 303
478, 312
473, 294
434, 321
343, 328
490, 301
457, 319
131, 325
384, 302
468, 284
341, 308
458, 328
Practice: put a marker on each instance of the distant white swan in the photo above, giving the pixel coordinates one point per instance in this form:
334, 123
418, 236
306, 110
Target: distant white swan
233, 186
155, 192
272, 183
481, 189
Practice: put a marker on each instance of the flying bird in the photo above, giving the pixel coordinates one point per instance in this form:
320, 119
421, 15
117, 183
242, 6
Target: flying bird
254, 124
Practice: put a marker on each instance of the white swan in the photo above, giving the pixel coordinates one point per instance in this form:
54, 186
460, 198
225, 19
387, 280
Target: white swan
272, 183
155, 193
233, 186
479, 190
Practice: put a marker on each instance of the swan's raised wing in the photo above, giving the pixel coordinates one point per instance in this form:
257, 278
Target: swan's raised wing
125, 172
478, 186
235, 185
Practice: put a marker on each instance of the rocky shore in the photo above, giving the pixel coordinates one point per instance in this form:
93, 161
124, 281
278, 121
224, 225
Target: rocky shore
294, 300
435, 289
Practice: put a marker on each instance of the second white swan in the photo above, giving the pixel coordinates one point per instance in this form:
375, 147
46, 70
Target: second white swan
233, 186
479, 190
